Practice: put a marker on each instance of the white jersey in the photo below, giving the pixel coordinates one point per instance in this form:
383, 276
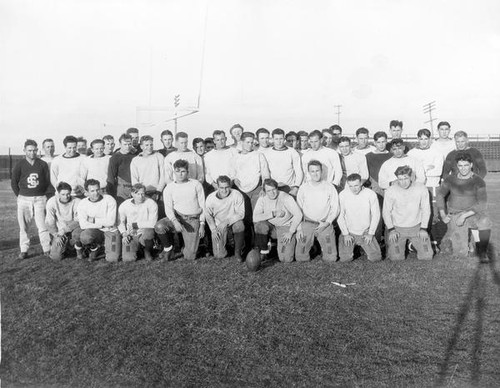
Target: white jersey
98, 215
218, 162
249, 168
186, 198
64, 169
148, 170
355, 163
387, 174
96, 168
359, 213
432, 161
318, 202
285, 166
330, 162
195, 165
144, 215
224, 210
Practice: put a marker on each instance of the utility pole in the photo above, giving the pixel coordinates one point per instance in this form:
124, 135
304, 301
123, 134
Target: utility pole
428, 108
337, 107
177, 101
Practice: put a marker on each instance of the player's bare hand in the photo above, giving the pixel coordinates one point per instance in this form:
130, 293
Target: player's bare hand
287, 237
424, 236
321, 226
301, 236
393, 236
348, 239
126, 239
460, 220
177, 226
368, 238
201, 231
278, 213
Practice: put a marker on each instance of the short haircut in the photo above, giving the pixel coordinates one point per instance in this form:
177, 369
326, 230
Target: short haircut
353, 177
403, 170
63, 186
137, 187
463, 157
179, 135
335, 127
81, 139
270, 182
303, 133
316, 133
278, 131
396, 123
69, 139
181, 163
47, 141
218, 132
291, 133
396, 142
314, 163
108, 138
209, 140
443, 123
197, 140
30, 142
96, 141
224, 179
345, 138
125, 136
166, 132
245, 135
424, 132
261, 130
146, 138
91, 182
132, 130
460, 134
379, 134
362, 131
234, 127
327, 130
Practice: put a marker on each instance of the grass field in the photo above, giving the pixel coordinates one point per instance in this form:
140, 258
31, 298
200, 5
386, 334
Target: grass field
212, 323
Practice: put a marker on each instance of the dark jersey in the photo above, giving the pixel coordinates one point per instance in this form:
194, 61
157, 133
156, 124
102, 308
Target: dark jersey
30, 180
462, 194
119, 167
479, 165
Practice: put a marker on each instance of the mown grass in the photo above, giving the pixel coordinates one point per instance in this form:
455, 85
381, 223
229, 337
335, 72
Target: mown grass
212, 323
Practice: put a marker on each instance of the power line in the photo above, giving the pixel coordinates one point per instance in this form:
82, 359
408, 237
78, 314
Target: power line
337, 107
428, 108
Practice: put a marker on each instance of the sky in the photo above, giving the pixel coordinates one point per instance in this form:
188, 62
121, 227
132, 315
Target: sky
89, 68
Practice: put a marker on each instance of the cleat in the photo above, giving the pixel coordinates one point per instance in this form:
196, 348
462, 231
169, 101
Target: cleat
23, 255
148, 256
164, 255
93, 255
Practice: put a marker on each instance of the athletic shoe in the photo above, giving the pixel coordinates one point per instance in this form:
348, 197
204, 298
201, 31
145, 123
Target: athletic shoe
164, 255
79, 254
93, 254
148, 256
23, 255
47, 254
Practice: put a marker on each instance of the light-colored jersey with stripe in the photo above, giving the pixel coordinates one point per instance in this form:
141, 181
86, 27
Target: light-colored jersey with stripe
103, 212
218, 162
96, 168
249, 168
186, 198
145, 215
148, 170
318, 202
61, 217
285, 166
359, 213
224, 210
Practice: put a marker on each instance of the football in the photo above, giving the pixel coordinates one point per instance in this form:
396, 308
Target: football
253, 260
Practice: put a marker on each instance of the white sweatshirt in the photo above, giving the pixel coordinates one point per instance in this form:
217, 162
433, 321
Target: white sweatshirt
386, 174
148, 170
103, 211
195, 165
249, 168
318, 202
432, 161
218, 162
355, 163
61, 217
186, 198
96, 168
145, 215
224, 210
359, 214
284, 166
67, 170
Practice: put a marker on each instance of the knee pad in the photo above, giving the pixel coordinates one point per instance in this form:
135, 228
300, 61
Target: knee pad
238, 227
129, 251
112, 245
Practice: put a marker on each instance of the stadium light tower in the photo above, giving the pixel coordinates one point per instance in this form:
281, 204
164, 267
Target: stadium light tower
428, 108
337, 107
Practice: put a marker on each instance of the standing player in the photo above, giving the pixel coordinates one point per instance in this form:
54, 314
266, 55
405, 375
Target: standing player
399, 158
109, 145
396, 130
199, 146
303, 141
276, 211
147, 169
167, 139
406, 213
81, 146
262, 136
62, 221
319, 203
67, 167
183, 153
284, 164
330, 160
376, 159
355, 163
235, 131
96, 165
444, 144
30, 180
218, 162
462, 205
185, 209
462, 143
138, 216
291, 140
358, 220
119, 179
225, 211
362, 138
97, 218
48, 151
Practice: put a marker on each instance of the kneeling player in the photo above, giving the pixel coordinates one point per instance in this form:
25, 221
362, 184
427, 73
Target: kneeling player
62, 221
185, 209
97, 217
319, 202
406, 213
358, 220
465, 209
138, 216
225, 211
276, 213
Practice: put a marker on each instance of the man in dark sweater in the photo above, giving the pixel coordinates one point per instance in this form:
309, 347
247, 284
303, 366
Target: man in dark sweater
119, 179
30, 180
462, 143
375, 160
461, 201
